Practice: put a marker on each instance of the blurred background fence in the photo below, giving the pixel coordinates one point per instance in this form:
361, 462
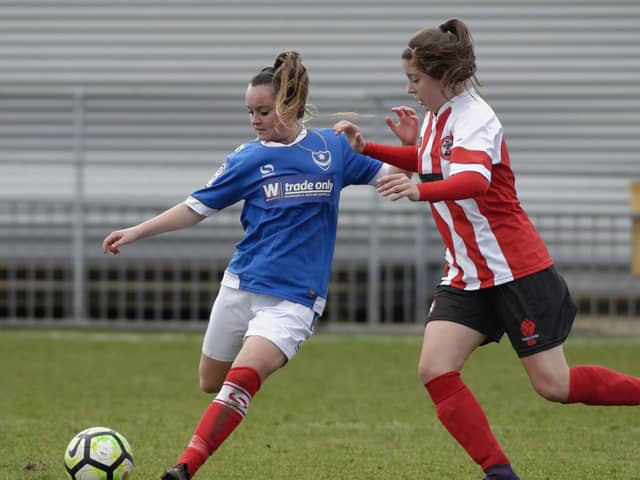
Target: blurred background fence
386, 263
112, 111
100, 161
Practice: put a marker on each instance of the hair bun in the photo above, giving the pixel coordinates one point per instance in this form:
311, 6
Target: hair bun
281, 58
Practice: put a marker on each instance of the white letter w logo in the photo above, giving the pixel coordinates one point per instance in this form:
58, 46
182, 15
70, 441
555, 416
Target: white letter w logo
271, 190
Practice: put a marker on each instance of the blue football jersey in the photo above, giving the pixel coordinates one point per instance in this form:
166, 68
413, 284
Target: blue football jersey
290, 213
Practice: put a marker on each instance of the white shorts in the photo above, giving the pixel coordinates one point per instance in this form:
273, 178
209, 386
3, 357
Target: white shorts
237, 314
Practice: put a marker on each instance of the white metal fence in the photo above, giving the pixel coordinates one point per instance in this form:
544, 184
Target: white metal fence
386, 264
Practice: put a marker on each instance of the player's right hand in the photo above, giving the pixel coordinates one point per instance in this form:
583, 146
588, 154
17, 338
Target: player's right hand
118, 238
352, 132
397, 186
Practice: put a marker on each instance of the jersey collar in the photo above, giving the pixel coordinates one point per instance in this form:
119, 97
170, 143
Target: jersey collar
464, 94
299, 138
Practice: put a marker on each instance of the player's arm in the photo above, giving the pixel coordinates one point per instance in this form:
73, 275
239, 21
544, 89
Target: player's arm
178, 217
457, 187
386, 170
404, 157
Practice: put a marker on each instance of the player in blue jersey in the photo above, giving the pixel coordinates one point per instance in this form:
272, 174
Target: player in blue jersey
275, 285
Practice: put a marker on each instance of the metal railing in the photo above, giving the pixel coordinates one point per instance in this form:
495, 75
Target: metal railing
387, 261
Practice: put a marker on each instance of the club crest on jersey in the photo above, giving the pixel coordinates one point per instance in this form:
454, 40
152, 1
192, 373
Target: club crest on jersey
445, 147
322, 158
320, 153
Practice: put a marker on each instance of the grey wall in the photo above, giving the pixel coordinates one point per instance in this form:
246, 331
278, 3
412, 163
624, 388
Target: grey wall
164, 84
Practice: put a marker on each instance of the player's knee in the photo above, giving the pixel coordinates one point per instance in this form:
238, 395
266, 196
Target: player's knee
428, 370
209, 385
554, 391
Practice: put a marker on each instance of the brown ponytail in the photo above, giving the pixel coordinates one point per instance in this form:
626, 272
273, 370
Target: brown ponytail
290, 82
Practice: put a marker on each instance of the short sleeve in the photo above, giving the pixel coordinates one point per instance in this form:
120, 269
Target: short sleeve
359, 169
477, 143
227, 186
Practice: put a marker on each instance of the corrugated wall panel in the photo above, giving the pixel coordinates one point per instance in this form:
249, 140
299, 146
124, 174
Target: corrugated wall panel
205, 41
164, 85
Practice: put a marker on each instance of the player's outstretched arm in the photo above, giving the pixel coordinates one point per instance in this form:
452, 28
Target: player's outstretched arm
175, 218
352, 132
407, 126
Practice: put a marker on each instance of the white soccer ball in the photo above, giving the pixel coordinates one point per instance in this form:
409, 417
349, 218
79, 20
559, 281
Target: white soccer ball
98, 453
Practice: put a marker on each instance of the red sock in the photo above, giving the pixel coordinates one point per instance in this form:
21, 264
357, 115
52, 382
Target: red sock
221, 417
595, 385
461, 414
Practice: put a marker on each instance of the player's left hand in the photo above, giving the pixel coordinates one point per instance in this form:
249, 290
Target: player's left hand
407, 126
398, 185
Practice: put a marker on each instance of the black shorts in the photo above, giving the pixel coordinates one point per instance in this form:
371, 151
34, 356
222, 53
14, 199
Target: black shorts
536, 311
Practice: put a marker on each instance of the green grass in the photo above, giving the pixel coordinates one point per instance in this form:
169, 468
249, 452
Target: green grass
347, 407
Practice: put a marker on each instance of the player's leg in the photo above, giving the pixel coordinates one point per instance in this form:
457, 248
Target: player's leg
446, 347
549, 373
228, 323
274, 334
554, 380
542, 313
212, 374
258, 358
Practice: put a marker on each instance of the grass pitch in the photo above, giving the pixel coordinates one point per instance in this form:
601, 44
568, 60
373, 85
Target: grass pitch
347, 407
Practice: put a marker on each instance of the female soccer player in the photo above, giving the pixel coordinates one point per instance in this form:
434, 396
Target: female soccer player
499, 276
274, 288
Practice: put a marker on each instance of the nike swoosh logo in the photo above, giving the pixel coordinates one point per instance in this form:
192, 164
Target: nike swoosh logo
73, 450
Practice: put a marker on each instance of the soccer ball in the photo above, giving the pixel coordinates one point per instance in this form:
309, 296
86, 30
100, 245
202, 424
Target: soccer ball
98, 453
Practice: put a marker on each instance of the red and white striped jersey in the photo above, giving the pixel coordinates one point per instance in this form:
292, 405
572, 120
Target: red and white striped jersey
489, 239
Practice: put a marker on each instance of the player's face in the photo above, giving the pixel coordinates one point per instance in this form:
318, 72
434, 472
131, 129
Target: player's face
425, 89
261, 103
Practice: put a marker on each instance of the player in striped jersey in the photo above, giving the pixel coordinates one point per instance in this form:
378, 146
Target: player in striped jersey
499, 277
